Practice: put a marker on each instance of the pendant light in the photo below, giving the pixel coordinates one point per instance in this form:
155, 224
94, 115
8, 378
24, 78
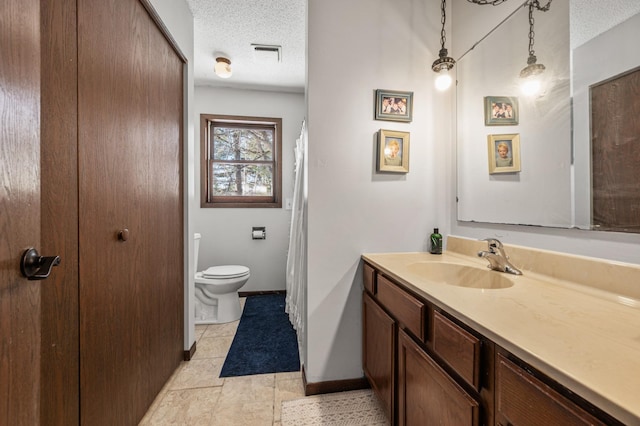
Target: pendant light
444, 63
531, 81
530, 75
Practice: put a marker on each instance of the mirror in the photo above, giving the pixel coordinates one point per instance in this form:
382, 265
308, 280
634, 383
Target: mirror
578, 48
602, 49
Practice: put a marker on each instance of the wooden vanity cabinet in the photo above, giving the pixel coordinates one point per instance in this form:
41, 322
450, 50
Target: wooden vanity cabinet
412, 386
428, 368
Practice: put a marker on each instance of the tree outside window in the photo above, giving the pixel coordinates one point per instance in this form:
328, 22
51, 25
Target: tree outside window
241, 161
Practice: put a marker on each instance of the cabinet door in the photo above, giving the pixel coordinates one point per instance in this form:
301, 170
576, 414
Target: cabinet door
378, 351
523, 400
426, 394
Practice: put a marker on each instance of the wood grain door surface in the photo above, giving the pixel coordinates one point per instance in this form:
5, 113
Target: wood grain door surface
129, 167
111, 156
19, 210
615, 153
60, 395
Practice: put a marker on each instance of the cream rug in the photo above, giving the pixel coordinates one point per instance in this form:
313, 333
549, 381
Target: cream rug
360, 407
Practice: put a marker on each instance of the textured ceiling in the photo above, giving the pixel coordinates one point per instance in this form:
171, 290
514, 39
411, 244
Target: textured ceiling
230, 27
590, 18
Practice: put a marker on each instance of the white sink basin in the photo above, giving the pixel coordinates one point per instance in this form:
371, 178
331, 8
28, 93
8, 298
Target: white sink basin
460, 275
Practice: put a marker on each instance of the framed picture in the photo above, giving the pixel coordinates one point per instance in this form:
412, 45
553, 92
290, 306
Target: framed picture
504, 153
500, 111
393, 151
394, 106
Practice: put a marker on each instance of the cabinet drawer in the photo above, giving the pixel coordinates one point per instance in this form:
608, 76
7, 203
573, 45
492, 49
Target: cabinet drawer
369, 278
458, 348
405, 308
523, 400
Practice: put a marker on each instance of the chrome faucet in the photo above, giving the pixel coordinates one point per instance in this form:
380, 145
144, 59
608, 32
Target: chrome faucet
498, 259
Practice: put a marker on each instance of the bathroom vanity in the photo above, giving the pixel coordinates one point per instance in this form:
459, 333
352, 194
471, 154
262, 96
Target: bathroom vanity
448, 341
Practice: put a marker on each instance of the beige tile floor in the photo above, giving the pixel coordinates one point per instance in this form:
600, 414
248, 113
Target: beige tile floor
195, 395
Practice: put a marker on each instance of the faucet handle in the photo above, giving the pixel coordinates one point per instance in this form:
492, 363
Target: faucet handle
493, 243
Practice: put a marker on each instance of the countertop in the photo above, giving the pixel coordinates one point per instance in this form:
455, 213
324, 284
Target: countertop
585, 338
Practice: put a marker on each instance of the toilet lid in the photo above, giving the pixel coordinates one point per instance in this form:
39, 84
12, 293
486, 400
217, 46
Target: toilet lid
225, 271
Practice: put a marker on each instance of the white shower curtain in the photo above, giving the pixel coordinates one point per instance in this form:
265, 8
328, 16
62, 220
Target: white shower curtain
297, 255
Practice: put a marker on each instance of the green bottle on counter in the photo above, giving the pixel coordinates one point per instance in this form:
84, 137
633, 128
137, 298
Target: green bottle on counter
436, 242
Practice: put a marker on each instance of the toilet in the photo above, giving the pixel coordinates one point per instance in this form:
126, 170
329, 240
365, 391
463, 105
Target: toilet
216, 291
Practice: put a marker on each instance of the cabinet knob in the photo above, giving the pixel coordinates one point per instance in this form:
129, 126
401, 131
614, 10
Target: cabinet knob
123, 235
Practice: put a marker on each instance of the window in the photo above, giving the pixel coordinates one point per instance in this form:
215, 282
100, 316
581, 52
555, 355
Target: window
241, 161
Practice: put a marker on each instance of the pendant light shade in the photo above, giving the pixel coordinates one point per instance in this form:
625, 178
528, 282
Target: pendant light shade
444, 63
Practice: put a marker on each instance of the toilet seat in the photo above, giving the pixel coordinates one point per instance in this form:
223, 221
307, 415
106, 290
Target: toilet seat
225, 271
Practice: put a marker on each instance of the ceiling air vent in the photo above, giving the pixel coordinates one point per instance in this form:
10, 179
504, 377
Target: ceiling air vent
267, 53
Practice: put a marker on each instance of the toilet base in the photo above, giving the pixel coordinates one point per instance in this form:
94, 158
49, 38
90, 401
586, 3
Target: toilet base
223, 309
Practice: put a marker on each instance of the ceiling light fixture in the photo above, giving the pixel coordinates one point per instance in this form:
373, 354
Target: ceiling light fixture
223, 67
444, 63
531, 83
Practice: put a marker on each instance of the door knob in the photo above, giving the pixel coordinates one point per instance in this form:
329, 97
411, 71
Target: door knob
123, 235
36, 267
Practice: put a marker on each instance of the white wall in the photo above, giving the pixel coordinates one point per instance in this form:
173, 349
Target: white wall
354, 48
179, 21
226, 232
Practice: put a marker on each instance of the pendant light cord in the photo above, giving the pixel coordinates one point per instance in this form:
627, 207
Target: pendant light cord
443, 20
532, 34
534, 3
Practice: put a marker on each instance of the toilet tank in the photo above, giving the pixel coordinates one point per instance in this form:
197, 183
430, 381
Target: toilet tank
196, 247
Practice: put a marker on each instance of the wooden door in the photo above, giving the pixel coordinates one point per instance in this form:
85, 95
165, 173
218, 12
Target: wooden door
130, 210
615, 135
19, 210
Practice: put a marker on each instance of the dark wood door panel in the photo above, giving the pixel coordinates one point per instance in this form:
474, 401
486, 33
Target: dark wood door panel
111, 120
60, 396
19, 210
165, 310
615, 135
130, 114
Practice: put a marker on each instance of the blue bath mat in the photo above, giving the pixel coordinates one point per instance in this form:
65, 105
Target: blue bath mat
265, 341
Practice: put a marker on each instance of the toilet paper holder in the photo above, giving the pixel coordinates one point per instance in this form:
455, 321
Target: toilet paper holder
259, 233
